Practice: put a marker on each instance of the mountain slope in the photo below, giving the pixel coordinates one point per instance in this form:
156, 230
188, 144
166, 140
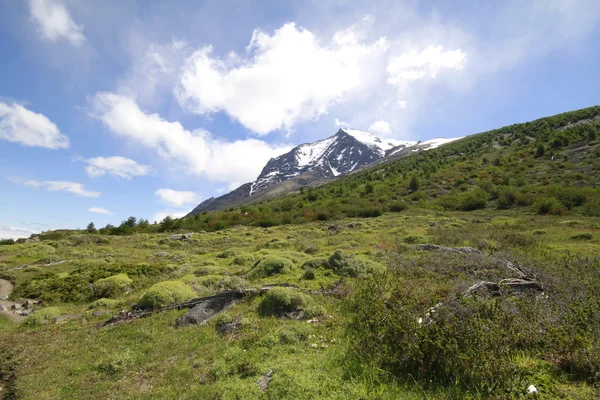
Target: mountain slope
312, 164
549, 165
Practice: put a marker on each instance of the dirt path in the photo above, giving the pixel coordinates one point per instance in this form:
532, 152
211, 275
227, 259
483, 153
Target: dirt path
6, 288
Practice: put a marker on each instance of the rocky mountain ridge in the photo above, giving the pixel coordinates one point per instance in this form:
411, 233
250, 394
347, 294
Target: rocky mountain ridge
311, 164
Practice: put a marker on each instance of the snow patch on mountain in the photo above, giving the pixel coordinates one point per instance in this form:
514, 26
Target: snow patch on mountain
306, 154
373, 141
437, 142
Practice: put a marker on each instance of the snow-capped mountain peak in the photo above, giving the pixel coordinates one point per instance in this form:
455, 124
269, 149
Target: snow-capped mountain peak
340, 154
373, 141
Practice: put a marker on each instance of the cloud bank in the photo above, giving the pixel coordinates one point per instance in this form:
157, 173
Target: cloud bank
23, 126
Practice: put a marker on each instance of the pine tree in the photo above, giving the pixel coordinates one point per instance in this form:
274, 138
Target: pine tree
414, 184
91, 228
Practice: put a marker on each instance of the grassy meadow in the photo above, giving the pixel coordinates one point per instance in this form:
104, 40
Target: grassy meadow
363, 339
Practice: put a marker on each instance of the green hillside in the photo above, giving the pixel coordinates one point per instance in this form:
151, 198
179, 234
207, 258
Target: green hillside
468, 271
548, 166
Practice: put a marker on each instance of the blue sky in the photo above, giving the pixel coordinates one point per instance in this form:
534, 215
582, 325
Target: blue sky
145, 108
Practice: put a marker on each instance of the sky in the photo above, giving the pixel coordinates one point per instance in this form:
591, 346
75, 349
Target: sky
118, 108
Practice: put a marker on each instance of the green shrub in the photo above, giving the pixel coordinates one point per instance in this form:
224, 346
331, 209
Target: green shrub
230, 283
464, 342
228, 253
278, 244
412, 239
281, 300
271, 266
397, 207
244, 259
344, 264
549, 206
112, 286
164, 293
592, 207
474, 199
44, 316
309, 274
370, 212
315, 263
103, 303
582, 236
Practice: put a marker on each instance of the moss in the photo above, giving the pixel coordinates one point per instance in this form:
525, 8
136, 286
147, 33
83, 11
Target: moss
244, 259
103, 303
44, 316
113, 285
164, 293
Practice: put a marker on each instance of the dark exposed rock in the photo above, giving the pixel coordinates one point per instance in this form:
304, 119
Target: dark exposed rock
100, 313
207, 308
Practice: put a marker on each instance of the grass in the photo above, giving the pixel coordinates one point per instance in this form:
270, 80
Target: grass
150, 358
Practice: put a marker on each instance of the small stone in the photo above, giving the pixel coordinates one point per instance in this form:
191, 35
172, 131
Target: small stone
263, 382
531, 389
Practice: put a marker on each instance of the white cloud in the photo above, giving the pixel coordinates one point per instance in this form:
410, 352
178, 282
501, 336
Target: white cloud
58, 186
381, 127
340, 124
20, 125
53, 21
11, 232
176, 198
428, 63
120, 167
233, 163
159, 216
100, 210
286, 77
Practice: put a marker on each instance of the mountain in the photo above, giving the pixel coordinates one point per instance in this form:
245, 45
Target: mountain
312, 164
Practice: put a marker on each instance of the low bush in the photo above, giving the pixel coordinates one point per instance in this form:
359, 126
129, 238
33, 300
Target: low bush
113, 286
164, 293
346, 264
474, 199
44, 316
270, 266
582, 236
549, 206
280, 300
103, 303
397, 207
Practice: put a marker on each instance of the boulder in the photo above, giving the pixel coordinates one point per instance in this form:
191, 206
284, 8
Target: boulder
207, 308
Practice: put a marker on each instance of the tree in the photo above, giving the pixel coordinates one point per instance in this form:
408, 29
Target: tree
167, 224
130, 222
91, 228
591, 134
414, 184
143, 223
540, 151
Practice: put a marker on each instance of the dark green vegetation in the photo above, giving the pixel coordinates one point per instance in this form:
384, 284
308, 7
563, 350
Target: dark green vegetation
551, 166
379, 317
